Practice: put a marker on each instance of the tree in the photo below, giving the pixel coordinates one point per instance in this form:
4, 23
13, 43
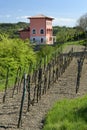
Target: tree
82, 22
14, 53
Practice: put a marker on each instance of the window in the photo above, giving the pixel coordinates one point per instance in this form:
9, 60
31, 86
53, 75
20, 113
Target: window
33, 39
41, 31
41, 40
33, 31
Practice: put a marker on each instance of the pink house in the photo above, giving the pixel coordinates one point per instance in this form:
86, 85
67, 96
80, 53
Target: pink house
41, 31
24, 33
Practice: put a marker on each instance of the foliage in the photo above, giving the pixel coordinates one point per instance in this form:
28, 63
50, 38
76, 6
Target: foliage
14, 53
82, 22
65, 34
47, 52
80, 42
68, 115
11, 29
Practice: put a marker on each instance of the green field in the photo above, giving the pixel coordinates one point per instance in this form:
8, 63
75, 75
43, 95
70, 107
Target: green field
67, 114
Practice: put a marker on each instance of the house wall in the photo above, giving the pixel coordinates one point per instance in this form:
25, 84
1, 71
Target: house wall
38, 24
38, 39
24, 34
49, 31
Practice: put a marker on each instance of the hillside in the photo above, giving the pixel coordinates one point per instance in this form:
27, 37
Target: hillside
11, 29
63, 34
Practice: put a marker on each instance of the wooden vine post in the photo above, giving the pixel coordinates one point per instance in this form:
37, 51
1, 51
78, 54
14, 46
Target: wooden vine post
49, 75
35, 81
6, 85
16, 80
28, 86
28, 89
22, 102
39, 81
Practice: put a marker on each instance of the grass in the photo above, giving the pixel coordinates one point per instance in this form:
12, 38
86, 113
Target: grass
80, 42
68, 114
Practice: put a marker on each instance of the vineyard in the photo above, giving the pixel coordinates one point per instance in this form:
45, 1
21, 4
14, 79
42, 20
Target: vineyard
24, 105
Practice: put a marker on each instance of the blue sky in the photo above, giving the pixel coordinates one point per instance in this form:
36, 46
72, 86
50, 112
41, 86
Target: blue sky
65, 12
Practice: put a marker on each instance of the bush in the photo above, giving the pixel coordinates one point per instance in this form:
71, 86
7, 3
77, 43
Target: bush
14, 53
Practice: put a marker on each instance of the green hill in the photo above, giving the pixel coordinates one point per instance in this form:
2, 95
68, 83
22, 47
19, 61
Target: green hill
63, 34
11, 29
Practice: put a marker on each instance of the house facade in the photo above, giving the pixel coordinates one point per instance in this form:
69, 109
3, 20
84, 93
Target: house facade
24, 33
40, 31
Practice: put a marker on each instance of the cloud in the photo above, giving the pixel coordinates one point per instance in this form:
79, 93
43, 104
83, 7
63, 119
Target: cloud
22, 17
69, 22
64, 22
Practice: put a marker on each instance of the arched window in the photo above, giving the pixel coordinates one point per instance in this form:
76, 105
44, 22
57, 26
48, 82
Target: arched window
42, 31
33, 31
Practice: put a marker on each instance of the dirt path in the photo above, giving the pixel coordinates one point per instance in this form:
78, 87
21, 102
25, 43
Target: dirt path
33, 120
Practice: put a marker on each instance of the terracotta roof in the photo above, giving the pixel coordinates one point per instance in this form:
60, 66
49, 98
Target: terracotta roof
40, 16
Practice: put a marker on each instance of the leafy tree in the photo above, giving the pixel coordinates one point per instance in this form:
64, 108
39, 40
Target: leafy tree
82, 22
15, 53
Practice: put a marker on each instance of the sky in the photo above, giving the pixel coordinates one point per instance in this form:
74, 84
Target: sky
64, 12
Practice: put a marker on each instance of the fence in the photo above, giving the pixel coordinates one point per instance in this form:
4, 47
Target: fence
42, 79
80, 62
36, 83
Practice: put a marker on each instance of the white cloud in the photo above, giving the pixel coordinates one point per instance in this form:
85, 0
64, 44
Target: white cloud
17, 17
64, 22
22, 18
57, 21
